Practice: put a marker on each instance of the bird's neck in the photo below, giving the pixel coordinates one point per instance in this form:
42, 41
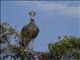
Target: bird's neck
32, 22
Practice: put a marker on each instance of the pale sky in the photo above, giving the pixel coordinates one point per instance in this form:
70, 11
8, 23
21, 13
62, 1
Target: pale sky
54, 18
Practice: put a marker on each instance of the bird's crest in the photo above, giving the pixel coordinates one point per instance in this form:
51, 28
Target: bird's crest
32, 14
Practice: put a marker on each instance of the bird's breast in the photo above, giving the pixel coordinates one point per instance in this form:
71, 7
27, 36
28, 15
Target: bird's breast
33, 31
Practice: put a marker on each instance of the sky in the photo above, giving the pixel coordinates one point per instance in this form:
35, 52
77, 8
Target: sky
54, 18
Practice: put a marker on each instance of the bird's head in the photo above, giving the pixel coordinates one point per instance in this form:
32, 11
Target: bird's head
32, 14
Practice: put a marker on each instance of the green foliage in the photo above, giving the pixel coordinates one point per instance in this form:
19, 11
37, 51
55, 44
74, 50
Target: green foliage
67, 48
6, 31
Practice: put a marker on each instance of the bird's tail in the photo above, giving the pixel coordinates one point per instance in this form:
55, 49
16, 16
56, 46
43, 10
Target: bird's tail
25, 42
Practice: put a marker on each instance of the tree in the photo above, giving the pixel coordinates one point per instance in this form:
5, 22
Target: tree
66, 48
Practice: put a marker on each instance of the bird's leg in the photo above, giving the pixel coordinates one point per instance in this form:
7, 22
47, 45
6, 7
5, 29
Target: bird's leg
32, 44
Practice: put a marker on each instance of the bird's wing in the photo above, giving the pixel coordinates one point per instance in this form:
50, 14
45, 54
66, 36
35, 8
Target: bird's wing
35, 32
25, 35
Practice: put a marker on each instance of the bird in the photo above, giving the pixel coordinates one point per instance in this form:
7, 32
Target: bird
29, 31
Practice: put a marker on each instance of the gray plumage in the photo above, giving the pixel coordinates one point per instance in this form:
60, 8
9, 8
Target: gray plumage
29, 32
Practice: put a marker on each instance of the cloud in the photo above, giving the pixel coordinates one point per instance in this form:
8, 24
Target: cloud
59, 8
65, 8
68, 8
